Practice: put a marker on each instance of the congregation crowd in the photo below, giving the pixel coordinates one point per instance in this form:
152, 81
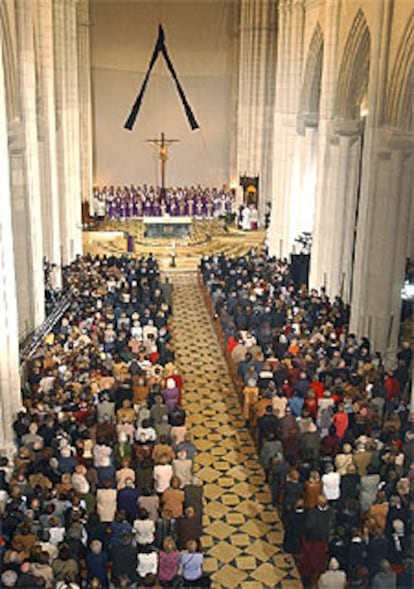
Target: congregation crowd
101, 491
332, 423
133, 202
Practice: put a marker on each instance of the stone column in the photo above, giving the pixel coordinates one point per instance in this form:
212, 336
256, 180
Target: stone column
321, 243
302, 184
62, 130
307, 193
48, 143
342, 214
277, 230
382, 244
257, 69
288, 85
10, 401
349, 220
67, 115
34, 237
73, 116
85, 101
20, 223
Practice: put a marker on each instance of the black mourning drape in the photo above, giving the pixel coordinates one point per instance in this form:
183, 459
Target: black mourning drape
160, 47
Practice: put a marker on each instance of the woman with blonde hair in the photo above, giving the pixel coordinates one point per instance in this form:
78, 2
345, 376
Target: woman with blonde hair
168, 562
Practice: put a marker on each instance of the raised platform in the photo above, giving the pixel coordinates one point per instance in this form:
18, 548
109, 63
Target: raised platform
207, 238
167, 227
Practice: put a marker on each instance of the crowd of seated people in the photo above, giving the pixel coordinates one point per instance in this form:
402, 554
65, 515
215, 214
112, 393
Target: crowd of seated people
101, 490
332, 424
133, 202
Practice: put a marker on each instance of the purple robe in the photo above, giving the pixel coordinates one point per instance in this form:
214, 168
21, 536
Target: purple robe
118, 203
171, 397
204, 206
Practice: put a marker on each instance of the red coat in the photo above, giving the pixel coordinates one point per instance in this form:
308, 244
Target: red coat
312, 406
318, 387
341, 421
393, 388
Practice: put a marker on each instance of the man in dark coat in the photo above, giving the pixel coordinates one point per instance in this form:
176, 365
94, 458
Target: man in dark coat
193, 497
318, 524
124, 559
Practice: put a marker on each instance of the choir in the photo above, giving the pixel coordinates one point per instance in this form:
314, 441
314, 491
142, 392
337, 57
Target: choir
133, 202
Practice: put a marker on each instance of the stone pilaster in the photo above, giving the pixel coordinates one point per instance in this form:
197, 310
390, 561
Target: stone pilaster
34, 238
382, 243
73, 115
10, 401
337, 224
278, 228
285, 160
321, 242
257, 68
47, 133
85, 101
67, 114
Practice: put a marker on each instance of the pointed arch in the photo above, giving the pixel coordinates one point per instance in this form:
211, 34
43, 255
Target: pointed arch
354, 71
399, 112
311, 86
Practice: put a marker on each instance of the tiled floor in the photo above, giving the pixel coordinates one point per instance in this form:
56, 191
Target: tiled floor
242, 531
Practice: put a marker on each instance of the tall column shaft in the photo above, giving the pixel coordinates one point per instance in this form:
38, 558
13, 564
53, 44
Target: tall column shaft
10, 401
85, 101
278, 231
286, 158
47, 123
257, 69
73, 115
379, 274
341, 207
67, 113
349, 218
34, 239
326, 112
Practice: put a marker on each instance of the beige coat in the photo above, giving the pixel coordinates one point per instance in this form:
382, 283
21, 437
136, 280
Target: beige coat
106, 504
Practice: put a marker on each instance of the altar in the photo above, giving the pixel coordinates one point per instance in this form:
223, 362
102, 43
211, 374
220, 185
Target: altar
167, 227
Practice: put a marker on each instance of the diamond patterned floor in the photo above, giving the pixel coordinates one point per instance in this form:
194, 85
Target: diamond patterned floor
242, 531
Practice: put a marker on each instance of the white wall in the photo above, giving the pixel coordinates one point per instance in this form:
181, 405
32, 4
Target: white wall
199, 41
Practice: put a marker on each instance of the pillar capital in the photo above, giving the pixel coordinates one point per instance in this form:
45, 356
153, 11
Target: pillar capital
401, 141
394, 140
305, 120
347, 127
309, 4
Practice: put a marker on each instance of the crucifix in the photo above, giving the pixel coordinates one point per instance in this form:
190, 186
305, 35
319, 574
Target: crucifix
163, 145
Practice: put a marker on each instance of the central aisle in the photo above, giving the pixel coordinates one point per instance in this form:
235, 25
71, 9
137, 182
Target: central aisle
242, 531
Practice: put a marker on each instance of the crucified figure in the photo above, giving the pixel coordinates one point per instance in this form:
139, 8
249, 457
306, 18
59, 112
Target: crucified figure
163, 145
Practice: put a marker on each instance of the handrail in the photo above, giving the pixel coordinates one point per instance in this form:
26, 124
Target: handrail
32, 341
